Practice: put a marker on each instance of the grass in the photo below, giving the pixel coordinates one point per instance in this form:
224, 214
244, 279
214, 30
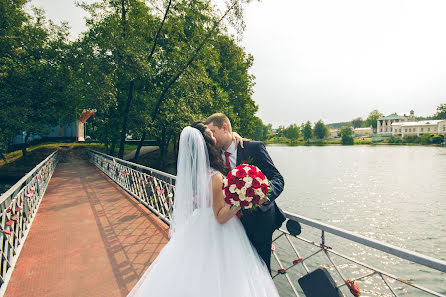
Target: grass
15, 155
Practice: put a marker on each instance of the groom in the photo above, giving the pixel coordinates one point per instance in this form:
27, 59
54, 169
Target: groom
261, 223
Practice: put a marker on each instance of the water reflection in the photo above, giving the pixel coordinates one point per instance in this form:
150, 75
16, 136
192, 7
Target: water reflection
396, 194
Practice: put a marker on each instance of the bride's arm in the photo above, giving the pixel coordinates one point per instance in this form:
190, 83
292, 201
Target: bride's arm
222, 212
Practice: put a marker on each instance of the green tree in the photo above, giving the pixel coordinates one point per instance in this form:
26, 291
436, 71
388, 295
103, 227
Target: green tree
35, 73
372, 118
441, 112
357, 122
307, 131
320, 130
292, 132
347, 135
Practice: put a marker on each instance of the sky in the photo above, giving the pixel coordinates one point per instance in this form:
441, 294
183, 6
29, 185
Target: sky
334, 60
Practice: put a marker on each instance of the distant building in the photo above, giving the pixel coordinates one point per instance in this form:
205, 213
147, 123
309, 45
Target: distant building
384, 124
74, 131
363, 131
419, 128
333, 133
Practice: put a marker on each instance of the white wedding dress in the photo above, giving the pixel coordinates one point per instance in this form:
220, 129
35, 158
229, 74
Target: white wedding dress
203, 257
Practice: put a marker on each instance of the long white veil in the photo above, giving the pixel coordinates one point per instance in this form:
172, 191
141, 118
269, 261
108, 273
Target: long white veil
192, 186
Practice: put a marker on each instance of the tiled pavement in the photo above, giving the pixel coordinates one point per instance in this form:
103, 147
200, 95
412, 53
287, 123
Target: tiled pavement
89, 238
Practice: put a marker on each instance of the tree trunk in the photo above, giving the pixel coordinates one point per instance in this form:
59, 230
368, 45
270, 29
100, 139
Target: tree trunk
143, 137
25, 144
112, 148
106, 138
178, 75
125, 118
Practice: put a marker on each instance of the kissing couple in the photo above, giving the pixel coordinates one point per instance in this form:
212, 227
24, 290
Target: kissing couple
215, 250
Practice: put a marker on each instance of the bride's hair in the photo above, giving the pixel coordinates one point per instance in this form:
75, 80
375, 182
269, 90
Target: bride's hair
215, 159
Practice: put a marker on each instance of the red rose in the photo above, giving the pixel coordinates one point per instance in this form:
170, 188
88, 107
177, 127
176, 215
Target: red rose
261, 175
229, 174
232, 180
264, 189
250, 192
244, 203
252, 173
243, 163
227, 192
255, 184
241, 173
256, 199
228, 201
240, 183
234, 197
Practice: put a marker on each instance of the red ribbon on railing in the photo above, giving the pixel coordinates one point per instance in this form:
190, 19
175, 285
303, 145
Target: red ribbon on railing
353, 287
298, 261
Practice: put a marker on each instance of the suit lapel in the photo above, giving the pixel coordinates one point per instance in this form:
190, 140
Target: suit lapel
239, 155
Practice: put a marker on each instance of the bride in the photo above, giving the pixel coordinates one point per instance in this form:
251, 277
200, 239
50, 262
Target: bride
209, 253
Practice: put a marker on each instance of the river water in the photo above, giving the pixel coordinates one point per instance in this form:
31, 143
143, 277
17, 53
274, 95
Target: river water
395, 194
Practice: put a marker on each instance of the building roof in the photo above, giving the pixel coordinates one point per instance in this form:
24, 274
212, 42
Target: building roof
419, 123
393, 116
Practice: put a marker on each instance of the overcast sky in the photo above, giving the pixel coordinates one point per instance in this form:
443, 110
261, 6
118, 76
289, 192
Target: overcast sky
334, 59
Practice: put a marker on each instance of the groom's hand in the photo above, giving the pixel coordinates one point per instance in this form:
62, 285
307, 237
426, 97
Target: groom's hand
262, 201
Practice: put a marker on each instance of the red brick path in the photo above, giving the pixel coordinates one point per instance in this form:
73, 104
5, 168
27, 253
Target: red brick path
89, 238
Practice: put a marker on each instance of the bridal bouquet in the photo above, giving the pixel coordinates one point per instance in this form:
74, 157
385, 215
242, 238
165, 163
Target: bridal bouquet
245, 186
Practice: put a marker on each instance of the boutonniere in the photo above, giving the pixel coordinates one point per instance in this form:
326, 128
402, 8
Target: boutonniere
247, 161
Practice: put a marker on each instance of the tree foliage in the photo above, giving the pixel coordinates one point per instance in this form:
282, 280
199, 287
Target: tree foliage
347, 135
372, 118
292, 132
320, 130
441, 112
307, 131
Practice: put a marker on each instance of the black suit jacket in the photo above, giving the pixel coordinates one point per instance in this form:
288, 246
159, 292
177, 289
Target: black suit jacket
261, 223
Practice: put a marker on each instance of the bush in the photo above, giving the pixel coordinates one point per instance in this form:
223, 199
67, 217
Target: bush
347, 139
437, 139
426, 139
411, 139
394, 139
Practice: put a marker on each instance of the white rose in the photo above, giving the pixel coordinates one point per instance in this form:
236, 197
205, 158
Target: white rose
250, 205
248, 184
259, 179
247, 169
232, 188
243, 192
258, 192
225, 182
236, 203
234, 171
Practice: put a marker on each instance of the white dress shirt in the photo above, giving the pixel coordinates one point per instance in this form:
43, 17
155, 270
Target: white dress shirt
232, 149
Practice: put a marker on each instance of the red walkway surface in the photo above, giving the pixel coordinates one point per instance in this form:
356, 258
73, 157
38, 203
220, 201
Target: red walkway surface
89, 238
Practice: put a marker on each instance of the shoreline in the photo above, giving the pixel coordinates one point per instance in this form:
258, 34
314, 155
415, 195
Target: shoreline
340, 144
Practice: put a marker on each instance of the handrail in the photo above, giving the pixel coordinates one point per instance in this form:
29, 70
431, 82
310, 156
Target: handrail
378, 245
18, 207
136, 179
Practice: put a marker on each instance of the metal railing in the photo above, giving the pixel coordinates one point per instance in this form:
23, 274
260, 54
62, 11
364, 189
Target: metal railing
155, 189
18, 208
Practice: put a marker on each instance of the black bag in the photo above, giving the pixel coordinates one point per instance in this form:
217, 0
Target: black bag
319, 283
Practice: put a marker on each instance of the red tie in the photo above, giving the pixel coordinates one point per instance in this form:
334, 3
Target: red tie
228, 164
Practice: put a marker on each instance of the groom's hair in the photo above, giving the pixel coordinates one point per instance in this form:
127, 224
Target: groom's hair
218, 119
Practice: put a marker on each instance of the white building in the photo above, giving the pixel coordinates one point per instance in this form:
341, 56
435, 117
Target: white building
419, 128
384, 124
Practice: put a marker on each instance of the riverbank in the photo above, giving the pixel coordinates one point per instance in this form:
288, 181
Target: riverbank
365, 141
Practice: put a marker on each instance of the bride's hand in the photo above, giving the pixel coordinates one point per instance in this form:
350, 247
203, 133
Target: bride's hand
238, 139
